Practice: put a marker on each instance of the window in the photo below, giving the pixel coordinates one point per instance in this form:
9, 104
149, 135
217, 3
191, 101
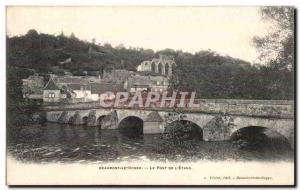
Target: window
51, 95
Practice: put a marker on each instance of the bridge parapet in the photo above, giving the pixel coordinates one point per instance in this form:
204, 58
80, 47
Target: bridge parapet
255, 108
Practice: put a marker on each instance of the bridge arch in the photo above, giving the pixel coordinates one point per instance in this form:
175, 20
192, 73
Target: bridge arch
131, 126
285, 127
184, 129
71, 120
84, 120
122, 114
264, 136
100, 121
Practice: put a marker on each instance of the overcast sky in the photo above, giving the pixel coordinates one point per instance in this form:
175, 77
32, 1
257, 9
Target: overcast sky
227, 30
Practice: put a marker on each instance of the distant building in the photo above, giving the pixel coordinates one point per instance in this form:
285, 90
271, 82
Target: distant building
138, 83
146, 83
159, 83
73, 89
98, 89
64, 80
52, 93
81, 92
162, 65
118, 76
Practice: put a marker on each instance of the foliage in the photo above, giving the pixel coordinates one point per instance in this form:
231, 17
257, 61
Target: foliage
277, 47
43, 52
220, 127
209, 74
19, 110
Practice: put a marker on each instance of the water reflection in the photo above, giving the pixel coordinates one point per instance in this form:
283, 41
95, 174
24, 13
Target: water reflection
67, 143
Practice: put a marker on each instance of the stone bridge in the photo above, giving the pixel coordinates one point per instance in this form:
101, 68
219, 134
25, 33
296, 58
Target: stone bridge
272, 115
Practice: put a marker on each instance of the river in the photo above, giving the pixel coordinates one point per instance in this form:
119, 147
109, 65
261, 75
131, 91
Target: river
68, 143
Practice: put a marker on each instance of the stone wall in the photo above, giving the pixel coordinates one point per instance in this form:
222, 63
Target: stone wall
229, 115
254, 108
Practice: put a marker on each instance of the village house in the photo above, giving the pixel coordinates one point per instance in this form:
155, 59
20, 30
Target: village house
71, 92
137, 83
73, 89
159, 83
146, 83
77, 89
118, 76
52, 93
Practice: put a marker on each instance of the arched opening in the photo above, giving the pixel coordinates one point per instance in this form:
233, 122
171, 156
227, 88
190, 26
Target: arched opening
262, 142
160, 68
183, 130
167, 68
153, 67
85, 120
71, 120
131, 127
100, 121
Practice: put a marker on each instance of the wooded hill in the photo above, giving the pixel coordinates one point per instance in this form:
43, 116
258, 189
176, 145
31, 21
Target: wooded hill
209, 73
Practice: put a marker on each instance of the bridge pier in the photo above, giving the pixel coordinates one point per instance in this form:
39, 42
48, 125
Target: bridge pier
217, 129
110, 121
77, 119
152, 127
153, 124
92, 121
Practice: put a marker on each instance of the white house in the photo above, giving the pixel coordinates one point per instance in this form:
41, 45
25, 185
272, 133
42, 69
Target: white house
51, 92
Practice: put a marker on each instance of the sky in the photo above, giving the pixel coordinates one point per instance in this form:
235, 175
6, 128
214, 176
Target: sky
226, 30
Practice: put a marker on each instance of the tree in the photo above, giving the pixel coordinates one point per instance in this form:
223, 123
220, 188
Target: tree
33, 39
72, 36
277, 51
32, 34
19, 109
277, 47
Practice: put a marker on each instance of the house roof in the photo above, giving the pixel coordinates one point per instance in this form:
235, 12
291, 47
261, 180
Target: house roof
75, 86
139, 81
154, 117
35, 77
117, 76
98, 88
51, 85
71, 80
101, 87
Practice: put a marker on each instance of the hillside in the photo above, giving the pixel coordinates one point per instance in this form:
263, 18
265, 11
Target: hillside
44, 51
210, 74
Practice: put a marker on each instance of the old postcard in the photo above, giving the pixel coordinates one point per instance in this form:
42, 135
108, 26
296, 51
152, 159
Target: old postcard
137, 95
